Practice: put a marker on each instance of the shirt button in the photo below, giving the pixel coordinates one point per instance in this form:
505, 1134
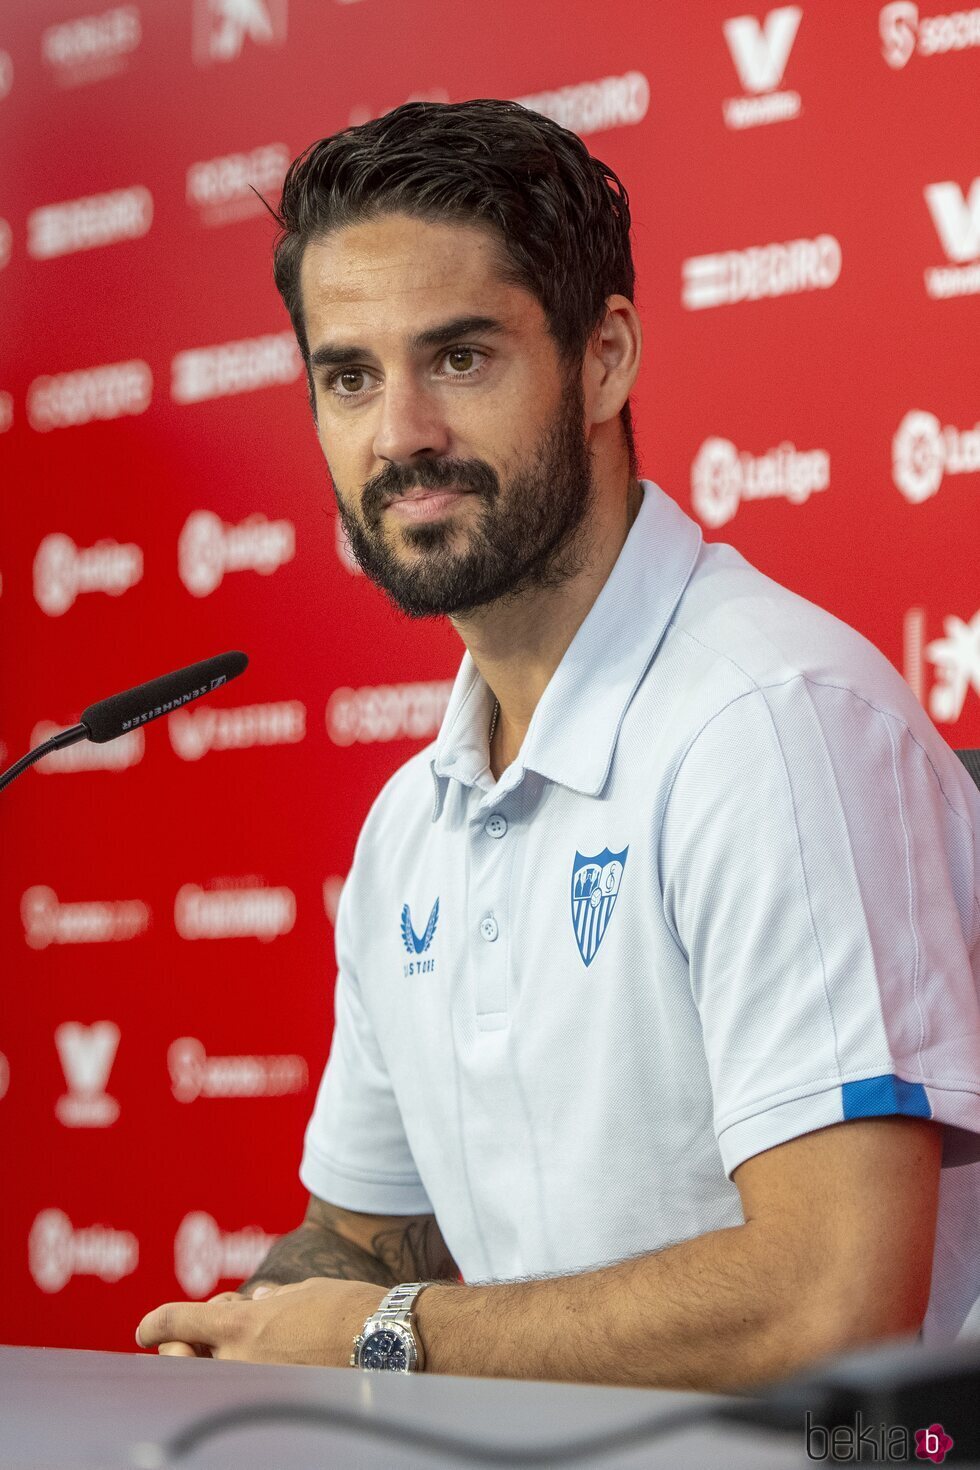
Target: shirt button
488, 928
496, 825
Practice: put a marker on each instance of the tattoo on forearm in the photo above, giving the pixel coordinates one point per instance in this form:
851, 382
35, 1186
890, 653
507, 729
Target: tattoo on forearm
415, 1251
313, 1250
410, 1251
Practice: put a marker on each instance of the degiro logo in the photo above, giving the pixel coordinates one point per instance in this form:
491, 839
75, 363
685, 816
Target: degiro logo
923, 451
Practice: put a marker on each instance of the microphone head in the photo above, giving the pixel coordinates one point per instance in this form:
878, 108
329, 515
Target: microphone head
121, 713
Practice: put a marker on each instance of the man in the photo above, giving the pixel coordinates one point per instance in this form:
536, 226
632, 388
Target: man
658, 973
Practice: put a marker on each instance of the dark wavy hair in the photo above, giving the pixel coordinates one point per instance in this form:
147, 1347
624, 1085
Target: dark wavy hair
561, 217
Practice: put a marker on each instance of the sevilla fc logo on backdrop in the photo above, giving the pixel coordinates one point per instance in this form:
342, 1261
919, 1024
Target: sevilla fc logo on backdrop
595, 888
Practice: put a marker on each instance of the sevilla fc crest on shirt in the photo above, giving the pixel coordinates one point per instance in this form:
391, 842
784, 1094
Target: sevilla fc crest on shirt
595, 888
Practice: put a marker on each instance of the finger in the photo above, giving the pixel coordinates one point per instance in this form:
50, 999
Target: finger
176, 1350
199, 1322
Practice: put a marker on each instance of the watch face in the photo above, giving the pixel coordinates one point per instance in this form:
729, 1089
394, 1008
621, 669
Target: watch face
384, 1349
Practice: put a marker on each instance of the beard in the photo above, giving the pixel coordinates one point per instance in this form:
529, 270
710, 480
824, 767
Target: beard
528, 534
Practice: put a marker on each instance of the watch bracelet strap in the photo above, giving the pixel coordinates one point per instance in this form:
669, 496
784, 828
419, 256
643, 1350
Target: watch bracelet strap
399, 1301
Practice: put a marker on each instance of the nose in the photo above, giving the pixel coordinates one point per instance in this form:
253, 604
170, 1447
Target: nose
411, 422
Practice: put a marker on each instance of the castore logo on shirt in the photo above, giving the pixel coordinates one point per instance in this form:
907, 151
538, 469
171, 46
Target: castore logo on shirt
416, 944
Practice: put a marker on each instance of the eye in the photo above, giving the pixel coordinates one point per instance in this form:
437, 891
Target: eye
343, 378
464, 352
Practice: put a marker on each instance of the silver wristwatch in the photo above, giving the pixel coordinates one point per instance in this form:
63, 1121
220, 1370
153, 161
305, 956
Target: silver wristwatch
388, 1342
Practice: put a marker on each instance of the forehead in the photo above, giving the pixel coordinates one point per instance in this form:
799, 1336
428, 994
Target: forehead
394, 273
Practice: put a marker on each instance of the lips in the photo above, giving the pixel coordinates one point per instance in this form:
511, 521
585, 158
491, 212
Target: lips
419, 492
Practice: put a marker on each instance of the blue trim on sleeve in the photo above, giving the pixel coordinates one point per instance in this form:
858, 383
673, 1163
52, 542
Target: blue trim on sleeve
876, 1097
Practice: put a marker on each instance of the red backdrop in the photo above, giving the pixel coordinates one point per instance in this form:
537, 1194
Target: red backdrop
806, 198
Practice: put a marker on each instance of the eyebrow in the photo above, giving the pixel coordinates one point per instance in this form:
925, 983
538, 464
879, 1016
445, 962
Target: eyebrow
339, 354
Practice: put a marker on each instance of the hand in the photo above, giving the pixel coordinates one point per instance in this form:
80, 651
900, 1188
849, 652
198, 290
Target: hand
312, 1322
193, 1349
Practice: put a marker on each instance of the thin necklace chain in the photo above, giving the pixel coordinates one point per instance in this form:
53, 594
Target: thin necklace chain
493, 721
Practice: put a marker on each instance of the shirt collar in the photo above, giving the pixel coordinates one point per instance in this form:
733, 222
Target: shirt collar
573, 732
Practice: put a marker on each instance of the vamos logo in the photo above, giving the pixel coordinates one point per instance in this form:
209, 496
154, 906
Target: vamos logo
591, 107
760, 54
205, 1254
221, 189
93, 46
762, 270
924, 451
903, 33
221, 27
386, 712
113, 755
87, 1054
207, 548
115, 391
957, 220
63, 570
85, 224
194, 733
723, 476
255, 912
57, 1251
194, 1074
941, 673
235, 367
46, 921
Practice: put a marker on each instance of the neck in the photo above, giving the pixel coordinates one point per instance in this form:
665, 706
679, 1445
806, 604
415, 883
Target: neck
518, 644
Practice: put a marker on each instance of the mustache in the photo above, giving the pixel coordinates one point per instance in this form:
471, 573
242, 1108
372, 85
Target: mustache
395, 480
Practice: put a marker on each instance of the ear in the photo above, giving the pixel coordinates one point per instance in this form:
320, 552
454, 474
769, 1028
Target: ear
612, 360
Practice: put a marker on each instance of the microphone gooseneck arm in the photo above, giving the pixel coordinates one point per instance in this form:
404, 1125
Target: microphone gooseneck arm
57, 742
107, 719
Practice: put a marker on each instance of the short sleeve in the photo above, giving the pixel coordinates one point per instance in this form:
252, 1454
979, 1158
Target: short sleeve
820, 873
355, 1152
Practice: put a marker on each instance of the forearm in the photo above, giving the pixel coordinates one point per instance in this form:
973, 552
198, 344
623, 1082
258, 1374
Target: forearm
381, 1249
716, 1313
314, 1249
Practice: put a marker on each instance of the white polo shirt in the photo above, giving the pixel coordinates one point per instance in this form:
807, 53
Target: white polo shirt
726, 894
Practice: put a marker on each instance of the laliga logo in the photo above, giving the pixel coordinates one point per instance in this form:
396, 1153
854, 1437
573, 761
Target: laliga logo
923, 451
205, 1255
721, 477
57, 1252
207, 548
62, 570
87, 1054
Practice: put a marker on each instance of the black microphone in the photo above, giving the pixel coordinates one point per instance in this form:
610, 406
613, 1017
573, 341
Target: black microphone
121, 713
